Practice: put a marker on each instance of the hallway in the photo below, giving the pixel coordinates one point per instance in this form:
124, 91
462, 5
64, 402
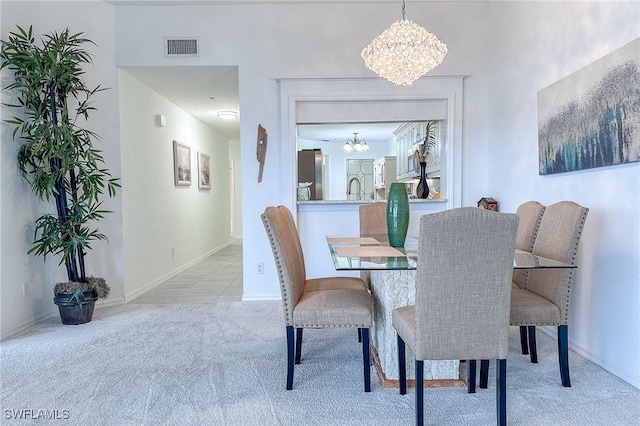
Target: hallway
217, 278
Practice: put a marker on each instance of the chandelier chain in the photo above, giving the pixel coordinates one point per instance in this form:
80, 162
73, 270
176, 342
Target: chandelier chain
403, 9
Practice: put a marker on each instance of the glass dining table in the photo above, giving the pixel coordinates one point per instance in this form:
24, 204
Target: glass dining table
392, 286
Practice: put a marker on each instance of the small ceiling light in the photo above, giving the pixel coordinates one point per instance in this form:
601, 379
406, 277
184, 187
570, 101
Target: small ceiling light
227, 115
356, 144
404, 52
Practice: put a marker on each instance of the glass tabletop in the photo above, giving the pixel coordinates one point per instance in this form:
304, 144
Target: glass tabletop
368, 253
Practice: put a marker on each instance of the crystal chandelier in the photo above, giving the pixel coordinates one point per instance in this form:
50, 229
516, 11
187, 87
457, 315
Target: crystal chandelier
356, 144
404, 52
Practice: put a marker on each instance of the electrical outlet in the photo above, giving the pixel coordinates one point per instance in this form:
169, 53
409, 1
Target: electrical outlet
260, 268
25, 289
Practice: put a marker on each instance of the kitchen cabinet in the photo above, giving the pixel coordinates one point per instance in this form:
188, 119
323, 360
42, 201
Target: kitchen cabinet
384, 174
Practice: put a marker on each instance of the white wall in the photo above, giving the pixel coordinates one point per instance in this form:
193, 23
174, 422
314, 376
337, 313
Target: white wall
167, 227
508, 50
19, 206
545, 43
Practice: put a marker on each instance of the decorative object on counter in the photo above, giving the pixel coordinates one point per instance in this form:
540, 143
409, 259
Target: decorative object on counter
261, 149
422, 154
404, 52
422, 190
488, 203
397, 214
355, 144
304, 192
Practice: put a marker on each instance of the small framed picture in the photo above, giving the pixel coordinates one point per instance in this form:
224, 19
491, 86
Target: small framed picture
204, 177
181, 164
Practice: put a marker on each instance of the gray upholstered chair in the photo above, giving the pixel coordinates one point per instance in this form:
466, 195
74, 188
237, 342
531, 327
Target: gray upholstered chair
530, 214
545, 300
373, 223
314, 303
463, 288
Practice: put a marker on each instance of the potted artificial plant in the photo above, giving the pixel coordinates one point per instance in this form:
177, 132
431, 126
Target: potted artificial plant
57, 157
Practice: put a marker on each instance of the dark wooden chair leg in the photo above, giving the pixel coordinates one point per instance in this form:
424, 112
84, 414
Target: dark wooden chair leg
402, 367
298, 344
366, 363
533, 349
290, 357
471, 376
563, 355
523, 340
501, 391
484, 373
419, 393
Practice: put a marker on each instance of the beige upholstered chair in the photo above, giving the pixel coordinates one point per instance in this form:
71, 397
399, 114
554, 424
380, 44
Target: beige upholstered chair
373, 223
530, 214
314, 303
463, 288
547, 297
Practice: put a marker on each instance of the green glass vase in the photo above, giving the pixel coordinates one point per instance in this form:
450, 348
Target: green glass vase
397, 214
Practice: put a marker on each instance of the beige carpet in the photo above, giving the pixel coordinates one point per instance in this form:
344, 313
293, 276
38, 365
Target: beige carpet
225, 364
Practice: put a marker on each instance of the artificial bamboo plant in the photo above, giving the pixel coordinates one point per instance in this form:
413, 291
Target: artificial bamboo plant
56, 154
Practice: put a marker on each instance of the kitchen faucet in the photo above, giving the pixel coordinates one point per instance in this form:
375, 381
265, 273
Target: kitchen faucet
357, 186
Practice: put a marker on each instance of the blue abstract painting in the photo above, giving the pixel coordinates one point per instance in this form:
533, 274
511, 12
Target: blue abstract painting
592, 117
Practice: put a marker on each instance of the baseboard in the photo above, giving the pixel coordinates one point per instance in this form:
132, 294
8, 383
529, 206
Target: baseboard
257, 298
620, 371
24, 327
155, 283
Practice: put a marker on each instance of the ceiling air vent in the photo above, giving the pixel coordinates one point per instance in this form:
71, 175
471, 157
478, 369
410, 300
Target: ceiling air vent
181, 46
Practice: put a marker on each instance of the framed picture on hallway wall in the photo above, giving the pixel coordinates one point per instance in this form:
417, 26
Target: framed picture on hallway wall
181, 164
204, 179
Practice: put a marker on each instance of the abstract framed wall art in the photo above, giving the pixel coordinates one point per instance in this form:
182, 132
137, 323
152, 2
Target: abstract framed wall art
592, 117
204, 177
181, 164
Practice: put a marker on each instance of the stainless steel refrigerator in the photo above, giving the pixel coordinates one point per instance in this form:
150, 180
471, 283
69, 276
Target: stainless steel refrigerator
310, 170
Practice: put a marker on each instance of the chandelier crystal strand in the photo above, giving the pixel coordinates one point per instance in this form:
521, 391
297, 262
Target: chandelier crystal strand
404, 52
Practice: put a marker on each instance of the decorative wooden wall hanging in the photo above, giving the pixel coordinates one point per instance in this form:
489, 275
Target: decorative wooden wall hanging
261, 149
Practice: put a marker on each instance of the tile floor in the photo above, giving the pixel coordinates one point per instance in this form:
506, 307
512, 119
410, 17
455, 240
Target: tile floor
216, 278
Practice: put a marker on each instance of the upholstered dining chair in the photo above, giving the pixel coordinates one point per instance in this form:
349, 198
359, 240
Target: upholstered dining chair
530, 214
373, 223
545, 300
463, 288
314, 303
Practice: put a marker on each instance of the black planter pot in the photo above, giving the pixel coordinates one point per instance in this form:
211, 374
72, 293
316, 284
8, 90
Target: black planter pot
73, 314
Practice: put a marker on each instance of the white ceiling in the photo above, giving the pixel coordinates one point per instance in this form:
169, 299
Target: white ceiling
199, 90
192, 88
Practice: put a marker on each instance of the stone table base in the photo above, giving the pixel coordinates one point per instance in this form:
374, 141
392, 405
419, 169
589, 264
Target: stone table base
393, 289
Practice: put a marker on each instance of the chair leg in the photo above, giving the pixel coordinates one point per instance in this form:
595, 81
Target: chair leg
419, 393
523, 340
402, 367
533, 349
563, 355
365, 360
290, 357
484, 373
501, 391
359, 335
471, 376
298, 344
